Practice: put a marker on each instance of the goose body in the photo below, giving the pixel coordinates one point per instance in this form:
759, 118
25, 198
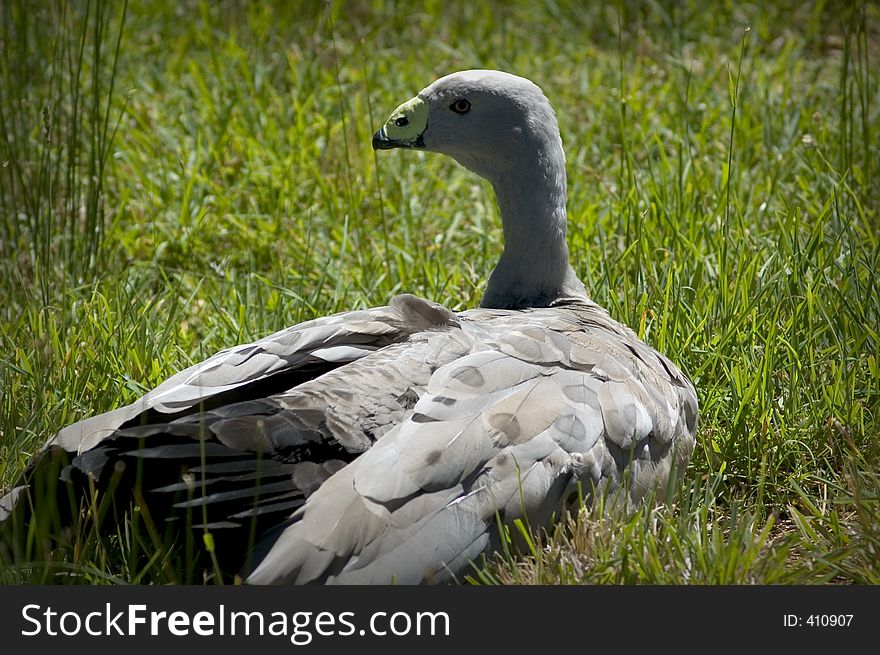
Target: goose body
387, 445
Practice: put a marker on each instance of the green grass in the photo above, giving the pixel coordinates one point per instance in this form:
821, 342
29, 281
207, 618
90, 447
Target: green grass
186, 177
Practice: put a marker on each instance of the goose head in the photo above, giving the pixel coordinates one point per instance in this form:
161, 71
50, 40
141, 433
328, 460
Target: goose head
491, 122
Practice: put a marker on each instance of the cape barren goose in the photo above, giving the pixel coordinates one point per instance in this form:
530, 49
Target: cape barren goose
388, 445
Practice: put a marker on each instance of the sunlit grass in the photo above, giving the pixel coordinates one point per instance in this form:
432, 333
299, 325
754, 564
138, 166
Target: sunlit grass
723, 203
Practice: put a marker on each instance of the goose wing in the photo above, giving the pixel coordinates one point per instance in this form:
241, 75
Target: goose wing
261, 424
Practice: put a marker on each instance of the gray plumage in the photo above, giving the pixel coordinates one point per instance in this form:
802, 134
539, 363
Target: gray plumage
386, 445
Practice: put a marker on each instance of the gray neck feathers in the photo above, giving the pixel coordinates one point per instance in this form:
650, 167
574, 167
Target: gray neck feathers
534, 268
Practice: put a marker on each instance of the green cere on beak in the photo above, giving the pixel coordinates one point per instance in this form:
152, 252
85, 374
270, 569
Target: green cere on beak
405, 127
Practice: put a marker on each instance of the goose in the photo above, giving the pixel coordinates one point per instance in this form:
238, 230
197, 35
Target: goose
394, 444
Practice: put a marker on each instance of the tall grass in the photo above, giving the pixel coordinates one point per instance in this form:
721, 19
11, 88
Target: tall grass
182, 177
55, 118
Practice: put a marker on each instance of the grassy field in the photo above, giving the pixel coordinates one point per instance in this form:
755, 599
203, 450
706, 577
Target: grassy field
181, 177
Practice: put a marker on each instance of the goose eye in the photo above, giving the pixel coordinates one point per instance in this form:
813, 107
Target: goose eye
460, 106
403, 121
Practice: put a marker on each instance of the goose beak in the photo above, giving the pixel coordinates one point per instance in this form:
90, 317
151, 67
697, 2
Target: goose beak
382, 142
405, 128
